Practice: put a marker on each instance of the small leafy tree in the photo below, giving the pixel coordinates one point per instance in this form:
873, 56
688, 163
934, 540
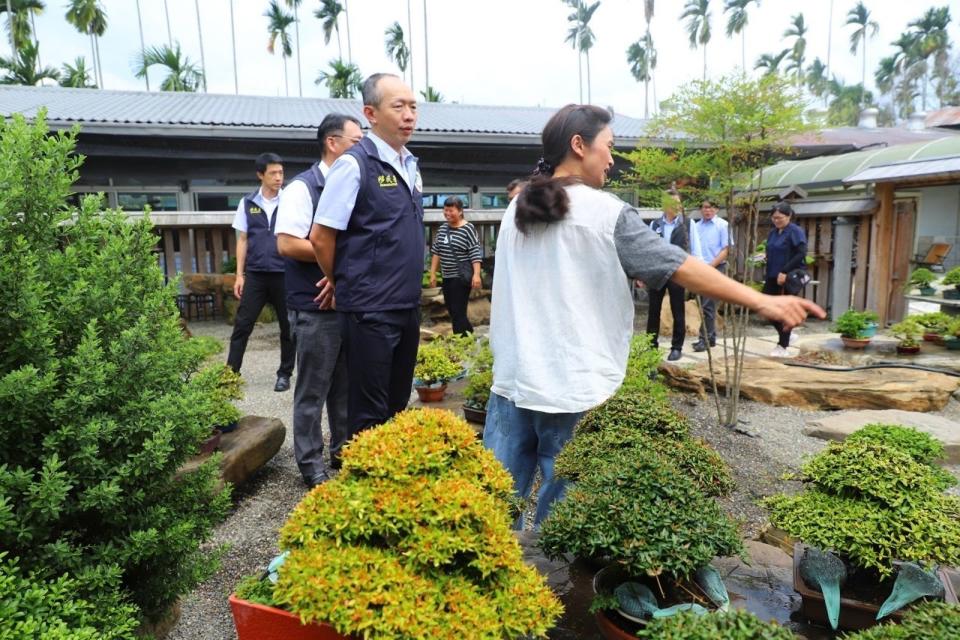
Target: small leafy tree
739, 124
102, 399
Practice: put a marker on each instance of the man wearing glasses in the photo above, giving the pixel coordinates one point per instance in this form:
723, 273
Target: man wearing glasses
321, 361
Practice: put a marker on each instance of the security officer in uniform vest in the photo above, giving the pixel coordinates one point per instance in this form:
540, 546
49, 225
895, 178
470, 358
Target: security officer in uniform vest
260, 268
321, 361
369, 240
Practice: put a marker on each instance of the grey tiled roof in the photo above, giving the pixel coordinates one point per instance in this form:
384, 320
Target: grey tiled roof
161, 109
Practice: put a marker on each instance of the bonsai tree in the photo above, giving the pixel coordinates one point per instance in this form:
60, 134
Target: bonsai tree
480, 378
853, 324
952, 277
921, 278
933, 322
434, 365
411, 540
907, 332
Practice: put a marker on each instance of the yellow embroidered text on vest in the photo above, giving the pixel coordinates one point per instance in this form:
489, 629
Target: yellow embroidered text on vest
387, 181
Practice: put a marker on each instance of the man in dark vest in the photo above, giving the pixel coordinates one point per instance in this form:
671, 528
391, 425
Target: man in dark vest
674, 228
260, 268
369, 240
321, 362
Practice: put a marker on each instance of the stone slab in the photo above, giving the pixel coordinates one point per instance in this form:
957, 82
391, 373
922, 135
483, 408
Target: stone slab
838, 427
245, 449
772, 382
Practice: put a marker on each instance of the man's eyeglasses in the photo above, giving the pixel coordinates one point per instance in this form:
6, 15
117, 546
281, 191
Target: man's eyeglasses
353, 140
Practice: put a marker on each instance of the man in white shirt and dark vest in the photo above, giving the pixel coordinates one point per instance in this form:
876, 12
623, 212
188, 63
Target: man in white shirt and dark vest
369, 240
260, 268
321, 360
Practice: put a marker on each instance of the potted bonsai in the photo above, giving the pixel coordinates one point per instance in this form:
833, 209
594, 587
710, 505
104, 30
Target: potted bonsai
934, 325
922, 279
433, 370
854, 327
952, 278
907, 332
479, 381
411, 540
951, 339
871, 501
638, 475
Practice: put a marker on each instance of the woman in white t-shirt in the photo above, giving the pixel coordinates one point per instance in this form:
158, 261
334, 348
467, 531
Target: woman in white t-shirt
562, 313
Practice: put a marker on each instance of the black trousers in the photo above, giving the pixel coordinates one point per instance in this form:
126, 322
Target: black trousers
677, 295
381, 349
771, 287
260, 288
708, 330
456, 295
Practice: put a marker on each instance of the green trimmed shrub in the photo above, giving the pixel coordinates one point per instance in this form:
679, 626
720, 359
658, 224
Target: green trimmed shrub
480, 378
102, 399
434, 365
933, 321
873, 504
639, 411
642, 366
926, 620
951, 277
732, 625
640, 510
921, 446
413, 540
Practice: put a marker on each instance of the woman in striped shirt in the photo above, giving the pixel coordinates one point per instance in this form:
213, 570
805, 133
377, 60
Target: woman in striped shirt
456, 250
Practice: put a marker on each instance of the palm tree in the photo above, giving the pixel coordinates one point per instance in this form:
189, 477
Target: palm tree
798, 31
906, 66
19, 20
771, 62
816, 79
295, 5
859, 16
203, 60
651, 51
343, 79
737, 23
329, 14
278, 23
697, 13
432, 95
22, 67
573, 37
396, 47
183, 75
932, 41
76, 75
885, 76
845, 106
587, 39
643, 60
581, 36
88, 16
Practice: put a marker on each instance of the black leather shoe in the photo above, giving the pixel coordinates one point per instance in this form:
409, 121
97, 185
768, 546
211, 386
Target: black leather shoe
283, 383
674, 354
318, 478
699, 346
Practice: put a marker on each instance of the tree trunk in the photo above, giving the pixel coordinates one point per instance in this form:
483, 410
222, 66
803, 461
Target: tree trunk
426, 53
286, 81
704, 62
296, 24
93, 59
589, 92
646, 97
233, 42
339, 48
13, 43
743, 49
96, 45
863, 74
203, 60
410, 48
166, 11
579, 70
346, 19
146, 75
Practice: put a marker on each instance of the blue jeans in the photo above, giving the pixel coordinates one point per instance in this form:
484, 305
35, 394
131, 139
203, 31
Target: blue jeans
522, 439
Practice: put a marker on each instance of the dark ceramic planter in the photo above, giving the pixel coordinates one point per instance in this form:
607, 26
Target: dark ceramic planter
908, 351
951, 294
855, 614
258, 622
927, 291
952, 343
431, 394
476, 416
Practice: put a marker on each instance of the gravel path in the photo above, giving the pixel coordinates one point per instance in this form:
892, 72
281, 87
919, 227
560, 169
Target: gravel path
767, 444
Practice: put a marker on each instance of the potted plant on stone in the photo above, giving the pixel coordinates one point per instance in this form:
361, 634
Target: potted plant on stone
922, 279
934, 325
479, 381
854, 327
871, 504
907, 332
411, 540
952, 279
951, 339
433, 370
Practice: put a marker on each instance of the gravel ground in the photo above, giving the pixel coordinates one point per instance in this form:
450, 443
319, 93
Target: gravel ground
767, 443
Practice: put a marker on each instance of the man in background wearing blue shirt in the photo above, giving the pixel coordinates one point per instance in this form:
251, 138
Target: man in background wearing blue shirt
714, 235
369, 241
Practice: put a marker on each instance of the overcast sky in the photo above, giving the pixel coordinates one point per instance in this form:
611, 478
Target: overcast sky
508, 52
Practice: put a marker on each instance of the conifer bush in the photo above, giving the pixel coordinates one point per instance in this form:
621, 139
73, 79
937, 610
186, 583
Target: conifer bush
102, 399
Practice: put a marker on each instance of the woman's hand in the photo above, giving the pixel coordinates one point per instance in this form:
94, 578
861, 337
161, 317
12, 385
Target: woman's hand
475, 282
433, 279
781, 278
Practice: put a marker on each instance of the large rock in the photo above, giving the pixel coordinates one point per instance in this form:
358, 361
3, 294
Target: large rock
691, 318
838, 427
478, 311
772, 382
245, 449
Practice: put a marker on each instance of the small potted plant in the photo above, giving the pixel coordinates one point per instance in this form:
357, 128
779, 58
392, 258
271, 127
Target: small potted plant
411, 540
479, 381
433, 370
951, 339
952, 278
922, 279
854, 327
934, 325
907, 332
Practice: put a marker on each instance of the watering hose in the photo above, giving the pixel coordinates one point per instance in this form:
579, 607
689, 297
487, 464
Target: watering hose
879, 365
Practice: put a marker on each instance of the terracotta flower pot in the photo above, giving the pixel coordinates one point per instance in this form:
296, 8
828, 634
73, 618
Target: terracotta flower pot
936, 338
431, 394
855, 343
258, 622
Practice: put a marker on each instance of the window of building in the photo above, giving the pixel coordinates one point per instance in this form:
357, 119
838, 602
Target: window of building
435, 200
158, 201
218, 201
494, 200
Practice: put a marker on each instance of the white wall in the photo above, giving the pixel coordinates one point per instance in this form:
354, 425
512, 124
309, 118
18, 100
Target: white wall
938, 220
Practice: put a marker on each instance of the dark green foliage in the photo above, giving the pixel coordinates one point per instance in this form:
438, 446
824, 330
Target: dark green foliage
732, 625
255, 589
927, 620
33, 607
638, 509
642, 366
636, 410
101, 397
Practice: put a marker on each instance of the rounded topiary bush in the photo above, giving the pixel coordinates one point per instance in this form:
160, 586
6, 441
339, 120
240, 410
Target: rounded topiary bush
639, 411
413, 540
921, 446
732, 625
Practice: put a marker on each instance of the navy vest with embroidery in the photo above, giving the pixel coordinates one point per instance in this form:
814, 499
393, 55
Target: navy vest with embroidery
262, 252
300, 278
379, 261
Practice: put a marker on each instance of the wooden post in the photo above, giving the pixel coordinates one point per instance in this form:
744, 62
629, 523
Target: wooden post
842, 268
881, 252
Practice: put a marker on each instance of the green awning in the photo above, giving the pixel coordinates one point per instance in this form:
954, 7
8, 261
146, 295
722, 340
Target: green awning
831, 170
